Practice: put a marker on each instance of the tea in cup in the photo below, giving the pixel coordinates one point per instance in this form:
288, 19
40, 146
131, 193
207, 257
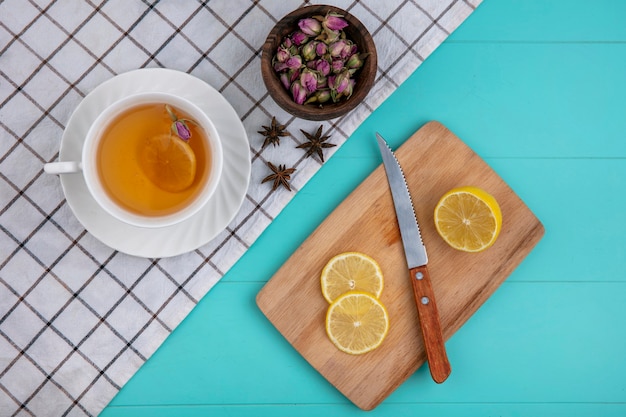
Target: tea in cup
150, 159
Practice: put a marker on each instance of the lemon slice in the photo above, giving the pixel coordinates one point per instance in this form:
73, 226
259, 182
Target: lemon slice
351, 271
357, 322
468, 219
169, 162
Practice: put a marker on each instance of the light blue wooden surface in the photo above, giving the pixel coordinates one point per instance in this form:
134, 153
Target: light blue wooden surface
538, 89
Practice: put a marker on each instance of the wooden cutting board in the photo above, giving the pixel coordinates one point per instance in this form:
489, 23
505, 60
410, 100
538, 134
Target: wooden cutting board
434, 160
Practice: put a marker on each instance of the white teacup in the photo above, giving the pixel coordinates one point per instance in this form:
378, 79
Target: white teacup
88, 165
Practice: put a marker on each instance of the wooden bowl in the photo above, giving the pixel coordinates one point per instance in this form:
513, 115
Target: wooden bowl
364, 77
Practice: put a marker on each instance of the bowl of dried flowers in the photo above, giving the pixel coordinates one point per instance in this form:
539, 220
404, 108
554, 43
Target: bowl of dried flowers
318, 62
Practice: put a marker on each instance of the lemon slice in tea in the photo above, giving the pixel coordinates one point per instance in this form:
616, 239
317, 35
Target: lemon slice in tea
468, 219
169, 162
351, 271
357, 322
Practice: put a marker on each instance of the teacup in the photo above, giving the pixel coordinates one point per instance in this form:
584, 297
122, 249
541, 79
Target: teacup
126, 161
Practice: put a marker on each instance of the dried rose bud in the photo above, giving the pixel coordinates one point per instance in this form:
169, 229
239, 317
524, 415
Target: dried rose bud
298, 92
340, 82
280, 66
284, 79
336, 48
294, 63
321, 97
354, 62
322, 66
355, 48
293, 75
320, 49
322, 82
308, 51
179, 127
348, 50
343, 81
310, 26
299, 38
347, 92
329, 36
334, 21
282, 54
309, 80
337, 66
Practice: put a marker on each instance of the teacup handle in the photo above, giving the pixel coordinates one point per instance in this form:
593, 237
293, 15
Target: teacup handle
68, 167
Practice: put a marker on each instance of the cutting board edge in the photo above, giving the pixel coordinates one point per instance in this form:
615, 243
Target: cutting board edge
534, 236
363, 405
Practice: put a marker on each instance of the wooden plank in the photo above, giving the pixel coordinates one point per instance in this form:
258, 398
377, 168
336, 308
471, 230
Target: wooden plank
518, 100
227, 352
549, 186
336, 410
434, 161
544, 21
578, 202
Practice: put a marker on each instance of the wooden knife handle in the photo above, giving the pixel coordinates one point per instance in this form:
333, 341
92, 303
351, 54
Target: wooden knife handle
430, 324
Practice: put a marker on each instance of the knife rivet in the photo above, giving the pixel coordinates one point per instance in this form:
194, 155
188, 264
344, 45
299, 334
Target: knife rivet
419, 275
425, 300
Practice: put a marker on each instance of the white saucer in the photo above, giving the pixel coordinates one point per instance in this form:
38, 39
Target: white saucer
204, 225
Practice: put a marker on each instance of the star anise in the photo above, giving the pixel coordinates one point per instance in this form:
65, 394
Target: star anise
316, 143
281, 176
273, 133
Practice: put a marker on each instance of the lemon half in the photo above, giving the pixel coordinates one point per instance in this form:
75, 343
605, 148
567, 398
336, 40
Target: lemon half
468, 219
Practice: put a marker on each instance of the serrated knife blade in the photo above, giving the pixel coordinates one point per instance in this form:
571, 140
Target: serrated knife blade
414, 248
417, 260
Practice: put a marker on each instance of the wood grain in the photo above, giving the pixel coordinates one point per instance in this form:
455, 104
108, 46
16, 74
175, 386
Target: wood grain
430, 325
434, 160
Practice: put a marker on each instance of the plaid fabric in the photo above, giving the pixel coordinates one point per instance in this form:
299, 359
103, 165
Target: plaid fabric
78, 318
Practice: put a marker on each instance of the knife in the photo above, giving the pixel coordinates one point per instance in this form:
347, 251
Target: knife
417, 260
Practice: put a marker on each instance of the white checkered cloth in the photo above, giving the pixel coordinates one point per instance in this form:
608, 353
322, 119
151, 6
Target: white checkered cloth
77, 318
